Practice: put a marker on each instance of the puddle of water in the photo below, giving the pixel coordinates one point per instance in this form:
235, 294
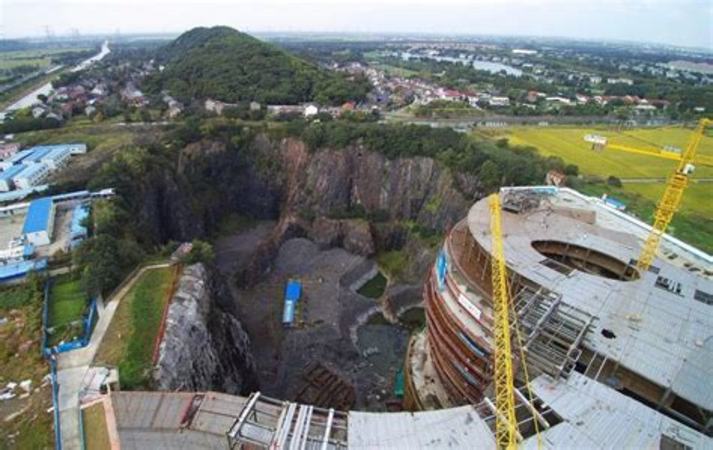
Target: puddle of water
374, 287
413, 318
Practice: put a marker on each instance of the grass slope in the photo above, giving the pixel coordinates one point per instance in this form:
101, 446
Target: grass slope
130, 338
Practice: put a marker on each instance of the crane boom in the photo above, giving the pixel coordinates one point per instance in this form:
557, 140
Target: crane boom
505, 421
671, 199
660, 153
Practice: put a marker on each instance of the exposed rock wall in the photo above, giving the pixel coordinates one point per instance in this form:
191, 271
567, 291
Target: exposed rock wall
348, 197
204, 347
282, 179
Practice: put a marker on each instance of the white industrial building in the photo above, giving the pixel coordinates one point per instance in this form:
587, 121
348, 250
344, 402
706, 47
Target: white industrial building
6, 176
31, 175
15, 159
56, 157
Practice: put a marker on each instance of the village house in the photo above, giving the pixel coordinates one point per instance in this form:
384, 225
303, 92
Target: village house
499, 101
9, 149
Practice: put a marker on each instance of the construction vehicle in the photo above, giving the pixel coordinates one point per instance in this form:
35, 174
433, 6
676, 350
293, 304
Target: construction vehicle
675, 186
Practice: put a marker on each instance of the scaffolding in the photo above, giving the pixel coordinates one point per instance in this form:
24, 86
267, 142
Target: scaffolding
274, 424
553, 331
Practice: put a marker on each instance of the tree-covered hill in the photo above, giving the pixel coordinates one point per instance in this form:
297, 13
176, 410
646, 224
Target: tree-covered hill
224, 64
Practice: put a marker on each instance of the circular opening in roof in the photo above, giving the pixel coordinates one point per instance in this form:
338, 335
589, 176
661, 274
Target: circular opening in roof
566, 257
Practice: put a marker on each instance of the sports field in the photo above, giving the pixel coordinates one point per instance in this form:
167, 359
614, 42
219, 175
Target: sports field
568, 143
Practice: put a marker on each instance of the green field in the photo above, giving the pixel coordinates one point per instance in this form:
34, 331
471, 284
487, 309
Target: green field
568, 143
40, 58
67, 301
67, 305
129, 341
697, 199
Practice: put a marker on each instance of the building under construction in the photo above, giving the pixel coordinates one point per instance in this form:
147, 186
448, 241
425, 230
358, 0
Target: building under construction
606, 356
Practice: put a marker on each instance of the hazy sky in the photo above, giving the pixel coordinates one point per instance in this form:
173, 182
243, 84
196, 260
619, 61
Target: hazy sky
679, 22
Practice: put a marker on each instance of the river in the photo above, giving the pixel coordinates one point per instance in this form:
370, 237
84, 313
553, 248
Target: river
46, 89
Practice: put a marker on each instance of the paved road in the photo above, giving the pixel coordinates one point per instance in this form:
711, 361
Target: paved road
73, 366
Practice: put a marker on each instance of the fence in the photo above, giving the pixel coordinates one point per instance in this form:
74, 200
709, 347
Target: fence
55, 400
88, 323
87, 326
45, 314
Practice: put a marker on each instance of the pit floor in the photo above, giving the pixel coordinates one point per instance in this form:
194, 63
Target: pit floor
336, 326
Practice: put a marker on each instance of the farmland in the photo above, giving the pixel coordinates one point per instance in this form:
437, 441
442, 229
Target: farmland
40, 59
568, 143
643, 176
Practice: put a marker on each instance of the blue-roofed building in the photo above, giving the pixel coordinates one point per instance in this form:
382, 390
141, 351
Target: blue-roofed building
36, 155
614, 203
293, 290
39, 222
77, 231
16, 159
55, 156
6, 176
19, 194
18, 269
292, 296
31, 175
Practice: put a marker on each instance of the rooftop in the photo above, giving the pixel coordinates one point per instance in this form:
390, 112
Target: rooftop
11, 172
79, 213
660, 331
592, 415
39, 215
30, 170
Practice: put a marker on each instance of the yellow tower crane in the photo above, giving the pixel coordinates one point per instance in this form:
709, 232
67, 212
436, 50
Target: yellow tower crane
675, 186
505, 419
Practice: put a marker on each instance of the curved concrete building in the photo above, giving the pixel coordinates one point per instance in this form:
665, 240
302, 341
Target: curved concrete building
581, 305
615, 358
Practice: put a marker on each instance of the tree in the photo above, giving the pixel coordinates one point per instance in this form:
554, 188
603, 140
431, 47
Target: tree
571, 170
489, 175
201, 252
614, 181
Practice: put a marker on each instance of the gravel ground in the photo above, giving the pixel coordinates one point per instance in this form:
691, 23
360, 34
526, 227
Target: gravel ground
329, 316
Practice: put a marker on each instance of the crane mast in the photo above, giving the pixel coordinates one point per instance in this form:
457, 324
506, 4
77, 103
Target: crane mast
505, 420
671, 199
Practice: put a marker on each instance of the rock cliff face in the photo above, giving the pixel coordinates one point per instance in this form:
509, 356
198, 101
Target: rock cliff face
204, 347
331, 181
282, 179
348, 197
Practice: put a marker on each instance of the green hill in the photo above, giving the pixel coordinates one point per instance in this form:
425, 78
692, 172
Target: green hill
227, 65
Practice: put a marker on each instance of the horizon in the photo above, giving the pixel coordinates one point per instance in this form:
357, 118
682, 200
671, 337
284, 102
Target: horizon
685, 24
406, 35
